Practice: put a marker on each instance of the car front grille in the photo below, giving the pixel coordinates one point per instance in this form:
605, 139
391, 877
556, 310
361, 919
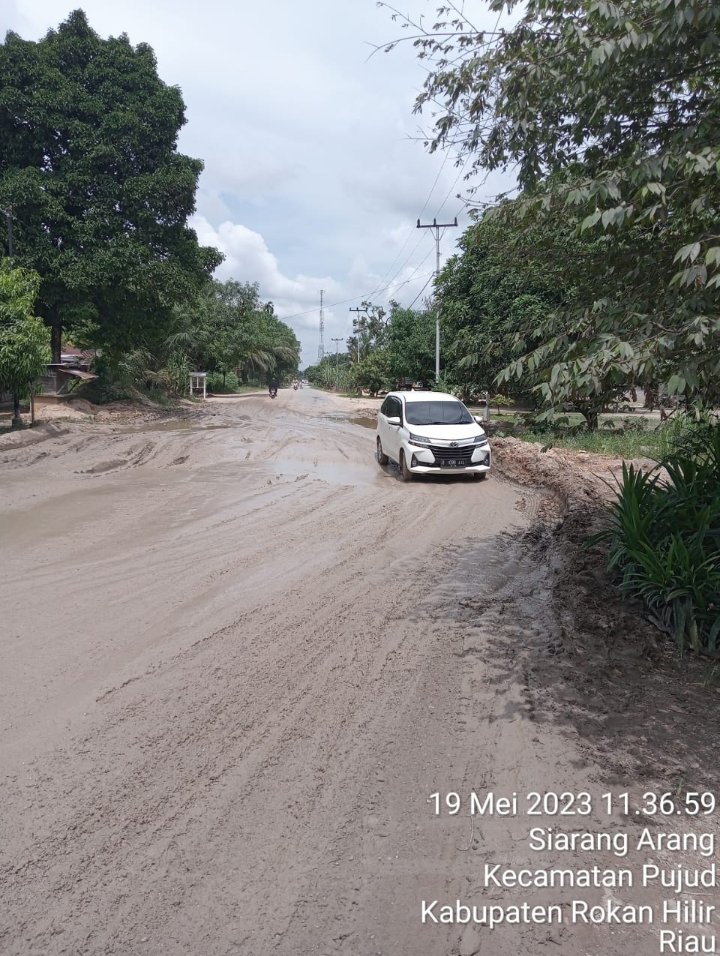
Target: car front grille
443, 455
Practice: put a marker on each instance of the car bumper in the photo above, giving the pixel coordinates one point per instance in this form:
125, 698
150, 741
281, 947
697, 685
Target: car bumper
422, 462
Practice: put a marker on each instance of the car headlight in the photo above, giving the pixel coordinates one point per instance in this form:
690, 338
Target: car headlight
418, 440
480, 440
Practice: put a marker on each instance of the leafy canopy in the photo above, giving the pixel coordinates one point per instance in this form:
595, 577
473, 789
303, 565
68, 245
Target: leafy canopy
99, 193
608, 114
23, 339
227, 327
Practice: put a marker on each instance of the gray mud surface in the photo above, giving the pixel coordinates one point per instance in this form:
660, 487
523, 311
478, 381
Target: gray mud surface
237, 657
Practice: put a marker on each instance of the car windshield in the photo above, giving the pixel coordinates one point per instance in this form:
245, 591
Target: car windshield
437, 413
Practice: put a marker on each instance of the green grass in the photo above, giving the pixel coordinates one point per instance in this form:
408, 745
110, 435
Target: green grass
631, 436
604, 442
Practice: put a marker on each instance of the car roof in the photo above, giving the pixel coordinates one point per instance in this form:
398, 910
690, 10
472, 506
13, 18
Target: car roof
424, 396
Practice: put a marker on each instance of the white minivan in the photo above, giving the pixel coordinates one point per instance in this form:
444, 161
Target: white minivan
430, 433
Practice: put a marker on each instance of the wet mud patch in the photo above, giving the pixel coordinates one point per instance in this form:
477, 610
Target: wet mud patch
104, 466
339, 471
364, 420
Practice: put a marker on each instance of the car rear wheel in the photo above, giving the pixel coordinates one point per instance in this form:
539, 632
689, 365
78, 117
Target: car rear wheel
405, 472
380, 454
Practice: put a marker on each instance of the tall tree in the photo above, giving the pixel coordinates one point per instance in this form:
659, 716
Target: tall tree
410, 340
99, 194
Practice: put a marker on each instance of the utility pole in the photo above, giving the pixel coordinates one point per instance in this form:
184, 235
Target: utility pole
358, 308
321, 347
437, 226
337, 363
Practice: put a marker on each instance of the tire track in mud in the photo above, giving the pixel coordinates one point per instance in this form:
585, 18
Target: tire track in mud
263, 712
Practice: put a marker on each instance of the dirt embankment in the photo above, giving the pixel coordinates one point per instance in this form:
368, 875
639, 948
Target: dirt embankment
627, 690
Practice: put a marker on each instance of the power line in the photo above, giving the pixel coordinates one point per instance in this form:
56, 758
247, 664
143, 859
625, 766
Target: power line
432, 274
333, 305
407, 238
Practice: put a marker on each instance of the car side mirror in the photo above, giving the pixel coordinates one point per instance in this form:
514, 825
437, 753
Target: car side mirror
394, 420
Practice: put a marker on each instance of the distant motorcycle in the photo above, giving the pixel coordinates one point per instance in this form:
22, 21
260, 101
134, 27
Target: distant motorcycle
295, 386
273, 391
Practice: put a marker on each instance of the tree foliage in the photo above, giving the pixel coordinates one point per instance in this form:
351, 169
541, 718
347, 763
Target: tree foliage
494, 295
99, 193
411, 344
225, 329
391, 345
608, 114
663, 537
368, 330
23, 340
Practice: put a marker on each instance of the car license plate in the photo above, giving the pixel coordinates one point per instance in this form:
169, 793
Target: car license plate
453, 463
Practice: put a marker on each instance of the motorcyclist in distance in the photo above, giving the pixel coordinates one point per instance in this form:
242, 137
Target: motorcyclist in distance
273, 386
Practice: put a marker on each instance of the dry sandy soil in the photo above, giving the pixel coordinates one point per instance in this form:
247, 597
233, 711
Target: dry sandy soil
237, 658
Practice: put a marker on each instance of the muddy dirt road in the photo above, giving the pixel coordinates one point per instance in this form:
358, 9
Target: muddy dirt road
237, 657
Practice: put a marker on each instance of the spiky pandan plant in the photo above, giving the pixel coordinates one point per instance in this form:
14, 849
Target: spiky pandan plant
664, 536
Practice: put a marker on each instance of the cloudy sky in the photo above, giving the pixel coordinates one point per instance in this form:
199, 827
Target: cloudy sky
315, 172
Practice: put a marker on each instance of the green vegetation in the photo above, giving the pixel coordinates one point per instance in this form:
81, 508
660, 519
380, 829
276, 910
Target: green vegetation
664, 539
602, 273
100, 200
628, 445
386, 349
23, 340
99, 194
225, 330
608, 113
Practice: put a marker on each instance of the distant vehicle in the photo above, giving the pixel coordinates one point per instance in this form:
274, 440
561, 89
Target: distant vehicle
428, 433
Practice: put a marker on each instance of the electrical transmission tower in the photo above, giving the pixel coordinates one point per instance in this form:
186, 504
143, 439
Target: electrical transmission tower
437, 226
321, 347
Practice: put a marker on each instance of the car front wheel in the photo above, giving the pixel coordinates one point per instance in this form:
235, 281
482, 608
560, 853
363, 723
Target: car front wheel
405, 472
380, 454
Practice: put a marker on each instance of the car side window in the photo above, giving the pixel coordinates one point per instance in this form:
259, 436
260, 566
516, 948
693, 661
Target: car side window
384, 408
397, 408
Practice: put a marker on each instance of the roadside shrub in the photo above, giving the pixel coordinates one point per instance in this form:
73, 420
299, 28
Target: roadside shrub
687, 431
637, 424
664, 537
218, 383
138, 375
